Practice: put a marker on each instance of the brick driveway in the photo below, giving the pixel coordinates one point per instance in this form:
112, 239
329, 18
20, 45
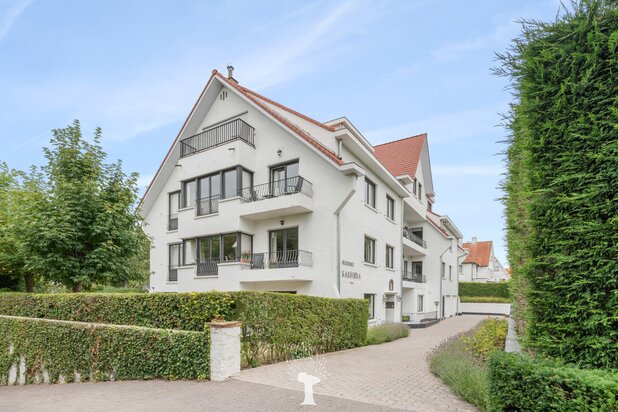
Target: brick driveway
375, 378
393, 374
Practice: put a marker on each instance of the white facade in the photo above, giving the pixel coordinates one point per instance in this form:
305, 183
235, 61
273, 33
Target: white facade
287, 211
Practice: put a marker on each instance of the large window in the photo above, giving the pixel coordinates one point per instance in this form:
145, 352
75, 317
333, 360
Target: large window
390, 254
390, 208
284, 178
208, 251
174, 204
174, 262
420, 303
372, 304
370, 193
370, 250
283, 247
221, 184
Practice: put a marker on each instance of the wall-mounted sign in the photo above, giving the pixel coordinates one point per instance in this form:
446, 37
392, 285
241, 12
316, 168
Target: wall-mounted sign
347, 263
350, 274
390, 305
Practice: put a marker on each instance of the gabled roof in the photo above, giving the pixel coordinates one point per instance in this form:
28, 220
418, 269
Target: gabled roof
256, 99
401, 157
479, 252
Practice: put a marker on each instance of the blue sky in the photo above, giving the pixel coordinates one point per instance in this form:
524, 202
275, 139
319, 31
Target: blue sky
394, 68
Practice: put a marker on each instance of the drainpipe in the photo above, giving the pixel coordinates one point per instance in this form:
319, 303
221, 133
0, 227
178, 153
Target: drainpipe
441, 297
337, 215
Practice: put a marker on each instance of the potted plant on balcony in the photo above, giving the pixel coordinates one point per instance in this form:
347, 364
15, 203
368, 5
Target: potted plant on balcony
245, 257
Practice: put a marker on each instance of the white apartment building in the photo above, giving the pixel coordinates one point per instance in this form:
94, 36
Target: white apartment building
481, 265
255, 196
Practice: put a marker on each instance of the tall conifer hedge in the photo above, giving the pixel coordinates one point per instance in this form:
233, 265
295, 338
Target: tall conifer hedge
561, 188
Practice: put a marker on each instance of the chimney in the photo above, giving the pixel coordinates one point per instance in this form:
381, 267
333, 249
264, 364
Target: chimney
230, 73
473, 241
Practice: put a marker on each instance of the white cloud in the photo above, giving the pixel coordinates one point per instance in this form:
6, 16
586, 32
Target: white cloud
467, 170
11, 16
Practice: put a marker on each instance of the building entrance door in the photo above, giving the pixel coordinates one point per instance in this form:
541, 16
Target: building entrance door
389, 309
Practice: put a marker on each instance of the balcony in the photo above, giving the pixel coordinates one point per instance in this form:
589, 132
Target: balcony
289, 266
414, 277
279, 198
217, 136
208, 267
410, 235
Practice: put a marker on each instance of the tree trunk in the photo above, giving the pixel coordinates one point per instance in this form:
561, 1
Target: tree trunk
29, 282
78, 287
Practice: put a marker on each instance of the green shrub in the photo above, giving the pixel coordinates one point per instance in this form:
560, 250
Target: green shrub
462, 372
278, 325
499, 290
101, 352
275, 325
405, 318
386, 332
185, 311
487, 338
520, 383
483, 299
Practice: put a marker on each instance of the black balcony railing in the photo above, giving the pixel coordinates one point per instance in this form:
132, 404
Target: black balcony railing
408, 234
172, 275
414, 277
296, 184
234, 130
208, 267
172, 222
208, 205
287, 259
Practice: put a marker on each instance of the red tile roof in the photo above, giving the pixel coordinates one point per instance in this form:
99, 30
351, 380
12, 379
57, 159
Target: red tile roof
479, 252
253, 97
401, 157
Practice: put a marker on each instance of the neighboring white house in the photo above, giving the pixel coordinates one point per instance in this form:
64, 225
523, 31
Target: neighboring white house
481, 265
255, 196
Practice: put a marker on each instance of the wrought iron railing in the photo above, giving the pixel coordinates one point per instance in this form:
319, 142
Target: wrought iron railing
216, 136
414, 277
296, 184
207, 205
172, 221
208, 267
276, 260
409, 234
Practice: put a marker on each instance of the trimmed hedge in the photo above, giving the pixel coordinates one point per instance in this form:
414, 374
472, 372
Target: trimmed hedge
279, 326
483, 299
520, 383
101, 352
498, 290
275, 325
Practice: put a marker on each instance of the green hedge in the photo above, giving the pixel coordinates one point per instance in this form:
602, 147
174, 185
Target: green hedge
498, 290
519, 383
483, 299
276, 326
101, 352
279, 326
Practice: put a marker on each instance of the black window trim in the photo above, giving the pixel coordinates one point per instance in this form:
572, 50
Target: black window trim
392, 257
375, 190
390, 211
373, 262
221, 172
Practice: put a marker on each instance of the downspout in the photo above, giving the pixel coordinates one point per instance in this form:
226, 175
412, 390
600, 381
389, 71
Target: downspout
441, 297
337, 215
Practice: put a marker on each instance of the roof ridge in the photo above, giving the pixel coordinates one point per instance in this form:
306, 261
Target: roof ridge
294, 112
405, 138
281, 119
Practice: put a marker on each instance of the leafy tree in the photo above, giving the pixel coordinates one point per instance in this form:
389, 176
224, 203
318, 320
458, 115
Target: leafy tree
19, 194
561, 187
84, 229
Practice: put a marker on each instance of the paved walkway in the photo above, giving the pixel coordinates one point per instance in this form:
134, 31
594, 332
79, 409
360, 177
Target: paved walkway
390, 376
394, 374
